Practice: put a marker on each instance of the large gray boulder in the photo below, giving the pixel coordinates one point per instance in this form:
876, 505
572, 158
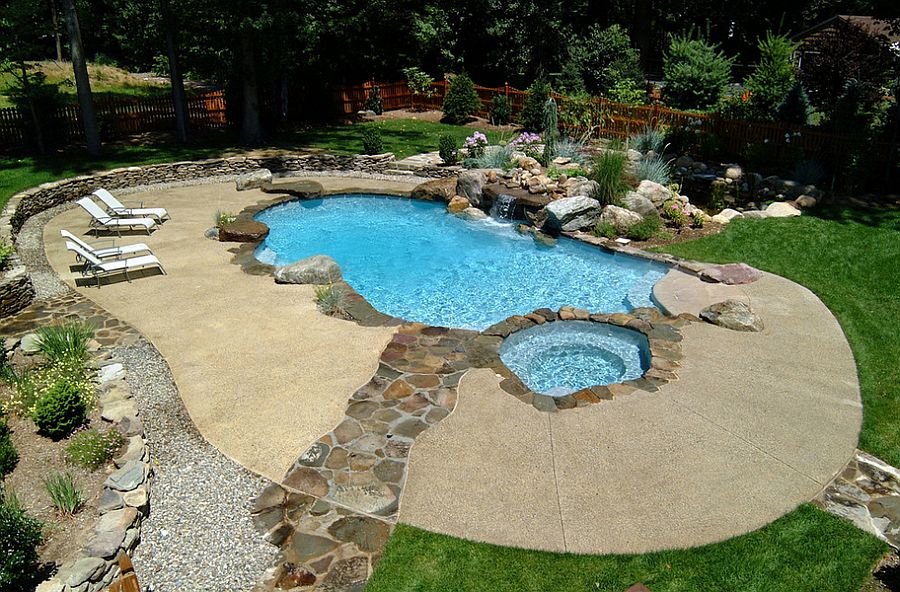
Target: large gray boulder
470, 184
620, 218
582, 186
318, 269
636, 202
569, 214
656, 193
256, 180
732, 314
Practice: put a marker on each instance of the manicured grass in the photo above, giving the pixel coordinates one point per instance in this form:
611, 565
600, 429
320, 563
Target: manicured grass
807, 550
849, 258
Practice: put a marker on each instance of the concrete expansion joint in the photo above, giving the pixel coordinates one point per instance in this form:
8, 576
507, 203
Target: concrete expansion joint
562, 524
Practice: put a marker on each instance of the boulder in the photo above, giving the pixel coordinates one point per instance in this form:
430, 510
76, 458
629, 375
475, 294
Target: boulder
734, 173
656, 193
636, 202
436, 190
621, 218
633, 155
255, 180
806, 201
471, 214
732, 314
470, 184
731, 274
318, 269
781, 209
726, 216
243, 231
528, 163
569, 214
684, 161
756, 214
581, 186
458, 204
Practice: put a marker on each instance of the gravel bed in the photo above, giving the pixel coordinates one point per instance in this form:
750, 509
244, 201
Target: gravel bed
199, 535
30, 247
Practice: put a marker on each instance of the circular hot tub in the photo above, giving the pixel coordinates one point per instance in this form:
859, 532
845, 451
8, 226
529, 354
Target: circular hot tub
560, 358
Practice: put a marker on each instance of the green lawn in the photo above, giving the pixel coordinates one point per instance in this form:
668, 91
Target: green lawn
805, 551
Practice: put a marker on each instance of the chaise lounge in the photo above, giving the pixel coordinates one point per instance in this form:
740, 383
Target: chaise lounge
101, 220
120, 209
112, 252
99, 269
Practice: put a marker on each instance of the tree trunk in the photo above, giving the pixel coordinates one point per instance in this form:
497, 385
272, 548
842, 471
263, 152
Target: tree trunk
251, 129
32, 110
643, 25
82, 81
182, 120
56, 35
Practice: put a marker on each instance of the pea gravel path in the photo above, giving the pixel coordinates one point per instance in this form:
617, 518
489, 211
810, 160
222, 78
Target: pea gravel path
199, 535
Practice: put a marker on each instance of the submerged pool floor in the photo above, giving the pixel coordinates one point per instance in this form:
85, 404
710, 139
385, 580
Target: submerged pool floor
412, 260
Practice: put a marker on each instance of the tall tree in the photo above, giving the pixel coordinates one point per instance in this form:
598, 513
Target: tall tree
182, 122
82, 80
57, 37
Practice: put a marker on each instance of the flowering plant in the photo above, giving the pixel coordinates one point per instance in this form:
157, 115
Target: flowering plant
476, 144
676, 212
528, 143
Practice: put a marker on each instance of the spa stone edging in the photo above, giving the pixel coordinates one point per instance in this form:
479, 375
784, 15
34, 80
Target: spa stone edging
662, 334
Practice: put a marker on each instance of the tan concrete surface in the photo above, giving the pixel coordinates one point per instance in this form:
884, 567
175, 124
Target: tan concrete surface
754, 425
261, 372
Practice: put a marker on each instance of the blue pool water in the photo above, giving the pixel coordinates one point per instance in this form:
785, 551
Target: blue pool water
412, 260
562, 357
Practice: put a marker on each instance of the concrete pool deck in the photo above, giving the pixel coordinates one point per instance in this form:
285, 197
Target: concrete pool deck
755, 424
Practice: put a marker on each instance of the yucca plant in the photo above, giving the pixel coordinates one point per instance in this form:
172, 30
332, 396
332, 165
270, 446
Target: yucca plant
64, 493
609, 173
65, 341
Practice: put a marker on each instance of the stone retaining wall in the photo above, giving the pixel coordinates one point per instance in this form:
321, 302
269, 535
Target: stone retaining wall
36, 200
16, 290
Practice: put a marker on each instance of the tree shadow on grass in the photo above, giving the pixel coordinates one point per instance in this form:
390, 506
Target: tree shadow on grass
886, 219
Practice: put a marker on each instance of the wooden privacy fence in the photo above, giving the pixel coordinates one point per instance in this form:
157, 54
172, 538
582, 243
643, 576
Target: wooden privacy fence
119, 117
618, 120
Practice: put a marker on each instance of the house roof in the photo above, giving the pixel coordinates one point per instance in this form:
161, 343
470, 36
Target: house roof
874, 26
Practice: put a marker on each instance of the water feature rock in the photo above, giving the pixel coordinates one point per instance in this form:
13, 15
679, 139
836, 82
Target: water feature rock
436, 190
732, 314
581, 186
458, 204
684, 161
731, 274
528, 163
621, 218
472, 214
569, 214
655, 192
470, 184
318, 269
781, 209
255, 180
243, 231
636, 202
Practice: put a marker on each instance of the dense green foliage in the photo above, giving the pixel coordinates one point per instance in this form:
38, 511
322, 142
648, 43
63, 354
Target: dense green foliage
8, 455
91, 449
20, 536
532, 116
448, 149
645, 229
696, 72
65, 341
461, 101
371, 140
608, 172
773, 77
501, 111
374, 102
605, 58
61, 410
795, 106
804, 551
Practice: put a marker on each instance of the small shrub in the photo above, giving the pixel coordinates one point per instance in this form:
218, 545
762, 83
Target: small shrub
60, 411
674, 211
606, 230
447, 149
532, 116
461, 101
91, 449
645, 229
8, 455
795, 106
224, 218
68, 340
332, 300
475, 145
628, 91
64, 493
649, 139
20, 536
696, 73
6, 251
371, 140
697, 219
609, 173
501, 111
654, 169
374, 102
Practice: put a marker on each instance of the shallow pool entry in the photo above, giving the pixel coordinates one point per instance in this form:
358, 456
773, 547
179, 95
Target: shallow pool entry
560, 358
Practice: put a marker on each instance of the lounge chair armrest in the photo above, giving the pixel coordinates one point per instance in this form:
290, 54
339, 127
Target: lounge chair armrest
130, 204
111, 242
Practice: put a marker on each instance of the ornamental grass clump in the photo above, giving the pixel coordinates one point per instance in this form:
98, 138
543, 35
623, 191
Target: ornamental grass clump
20, 536
653, 169
497, 157
332, 300
647, 140
91, 449
64, 493
571, 149
66, 341
609, 173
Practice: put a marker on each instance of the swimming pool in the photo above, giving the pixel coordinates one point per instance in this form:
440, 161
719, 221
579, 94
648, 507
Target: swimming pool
412, 260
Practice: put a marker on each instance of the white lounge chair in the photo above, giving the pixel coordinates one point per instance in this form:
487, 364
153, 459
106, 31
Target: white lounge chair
98, 268
112, 252
118, 208
102, 220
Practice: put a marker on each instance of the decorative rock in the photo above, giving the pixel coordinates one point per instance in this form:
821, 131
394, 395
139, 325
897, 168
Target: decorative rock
243, 231
655, 192
134, 451
255, 180
470, 185
731, 274
318, 269
684, 161
128, 477
569, 214
636, 202
581, 186
806, 201
137, 498
436, 190
782, 210
85, 570
117, 410
472, 214
117, 520
528, 163
310, 546
734, 173
130, 426
105, 544
110, 500
110, 372
726, 216
620, 218
458, 204
732, 314
368, 534
375, 498
756, 214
